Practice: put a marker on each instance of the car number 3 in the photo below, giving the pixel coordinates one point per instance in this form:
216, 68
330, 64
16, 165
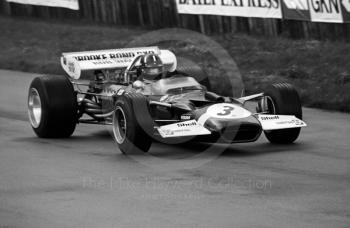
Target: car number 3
227, 110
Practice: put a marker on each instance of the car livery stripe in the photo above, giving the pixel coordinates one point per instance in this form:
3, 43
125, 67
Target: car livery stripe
203, 119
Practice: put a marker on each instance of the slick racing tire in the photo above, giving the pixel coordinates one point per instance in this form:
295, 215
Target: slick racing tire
127, 131
52, 107
283, 99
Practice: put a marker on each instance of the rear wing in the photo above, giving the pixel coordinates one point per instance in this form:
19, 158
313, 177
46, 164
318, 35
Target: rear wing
76, 62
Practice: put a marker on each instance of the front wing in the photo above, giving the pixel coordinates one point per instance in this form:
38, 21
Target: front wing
194, 128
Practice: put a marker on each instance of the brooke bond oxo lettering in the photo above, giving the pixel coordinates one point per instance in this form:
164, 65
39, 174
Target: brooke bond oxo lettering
124, 55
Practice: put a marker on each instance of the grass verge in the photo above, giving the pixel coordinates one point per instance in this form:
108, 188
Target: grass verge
319, 69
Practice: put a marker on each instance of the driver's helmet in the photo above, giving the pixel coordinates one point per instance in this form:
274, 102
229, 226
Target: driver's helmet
151, 67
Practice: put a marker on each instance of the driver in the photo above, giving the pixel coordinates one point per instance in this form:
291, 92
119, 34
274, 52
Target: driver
152, 67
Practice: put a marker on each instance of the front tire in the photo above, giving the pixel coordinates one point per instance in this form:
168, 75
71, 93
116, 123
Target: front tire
52, 107
129, 135
283, 99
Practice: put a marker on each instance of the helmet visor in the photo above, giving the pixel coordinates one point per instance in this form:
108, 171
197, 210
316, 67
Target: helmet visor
153, 70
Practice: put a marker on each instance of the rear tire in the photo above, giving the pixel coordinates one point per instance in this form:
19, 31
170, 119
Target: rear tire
52, 107
283, 99
129, 135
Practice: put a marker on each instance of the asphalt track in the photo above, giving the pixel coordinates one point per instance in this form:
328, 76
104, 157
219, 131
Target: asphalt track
86, 182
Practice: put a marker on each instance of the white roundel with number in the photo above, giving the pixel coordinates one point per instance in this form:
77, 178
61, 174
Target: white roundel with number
228, 111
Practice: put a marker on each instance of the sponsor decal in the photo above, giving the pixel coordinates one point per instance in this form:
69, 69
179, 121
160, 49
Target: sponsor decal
104, 59
292, 122
71, 67
188, 128
102, 62
278, 122
186, 117
168, 132
187, 124
173, 132
122, 55
270, 118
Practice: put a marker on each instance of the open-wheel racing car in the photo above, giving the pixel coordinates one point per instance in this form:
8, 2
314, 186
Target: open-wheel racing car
145, 97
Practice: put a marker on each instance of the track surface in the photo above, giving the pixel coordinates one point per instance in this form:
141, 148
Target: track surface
85, 181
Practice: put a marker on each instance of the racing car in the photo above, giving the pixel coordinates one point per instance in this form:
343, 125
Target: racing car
144, 96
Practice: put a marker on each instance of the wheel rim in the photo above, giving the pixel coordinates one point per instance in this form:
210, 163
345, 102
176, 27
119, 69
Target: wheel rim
34, 108
269, 105
119, 125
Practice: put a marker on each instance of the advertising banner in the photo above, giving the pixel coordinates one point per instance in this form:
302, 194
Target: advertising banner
70, 4
331, 11
241, 8
326, 11
296, 10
